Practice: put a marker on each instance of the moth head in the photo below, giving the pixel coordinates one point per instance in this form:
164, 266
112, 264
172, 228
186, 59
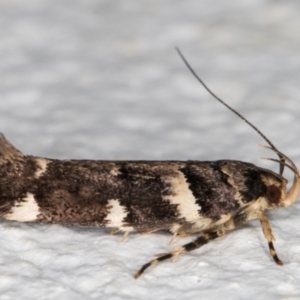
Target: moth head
277, 194
276, 189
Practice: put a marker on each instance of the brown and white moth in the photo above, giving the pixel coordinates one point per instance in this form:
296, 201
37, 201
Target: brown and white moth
207, 198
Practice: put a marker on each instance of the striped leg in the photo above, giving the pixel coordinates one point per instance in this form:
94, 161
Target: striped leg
266, 228
197, 243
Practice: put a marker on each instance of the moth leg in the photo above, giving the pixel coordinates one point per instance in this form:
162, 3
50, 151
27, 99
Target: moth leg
114, 231
124, 237
266, 228
148, 231
173, 238
177, 234
197, 243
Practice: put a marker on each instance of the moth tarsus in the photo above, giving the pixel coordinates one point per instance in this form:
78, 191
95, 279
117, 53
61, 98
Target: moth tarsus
197, 243
207, 198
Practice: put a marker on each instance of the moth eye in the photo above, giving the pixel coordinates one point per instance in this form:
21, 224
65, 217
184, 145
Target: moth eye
273, 194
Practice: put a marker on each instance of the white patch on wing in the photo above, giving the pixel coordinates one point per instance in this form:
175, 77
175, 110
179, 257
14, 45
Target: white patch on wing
24, 211
114, 172
187, 207
116, 215
42, 166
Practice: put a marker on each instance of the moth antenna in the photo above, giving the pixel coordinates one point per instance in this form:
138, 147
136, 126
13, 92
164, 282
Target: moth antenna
281, 157
285, 164
286, 158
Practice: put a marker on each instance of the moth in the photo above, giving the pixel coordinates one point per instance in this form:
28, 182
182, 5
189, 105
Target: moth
206, 198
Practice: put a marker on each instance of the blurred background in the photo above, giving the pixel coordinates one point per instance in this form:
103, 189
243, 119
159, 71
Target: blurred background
103, 79
100, 79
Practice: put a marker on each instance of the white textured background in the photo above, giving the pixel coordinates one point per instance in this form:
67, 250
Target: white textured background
101, 80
